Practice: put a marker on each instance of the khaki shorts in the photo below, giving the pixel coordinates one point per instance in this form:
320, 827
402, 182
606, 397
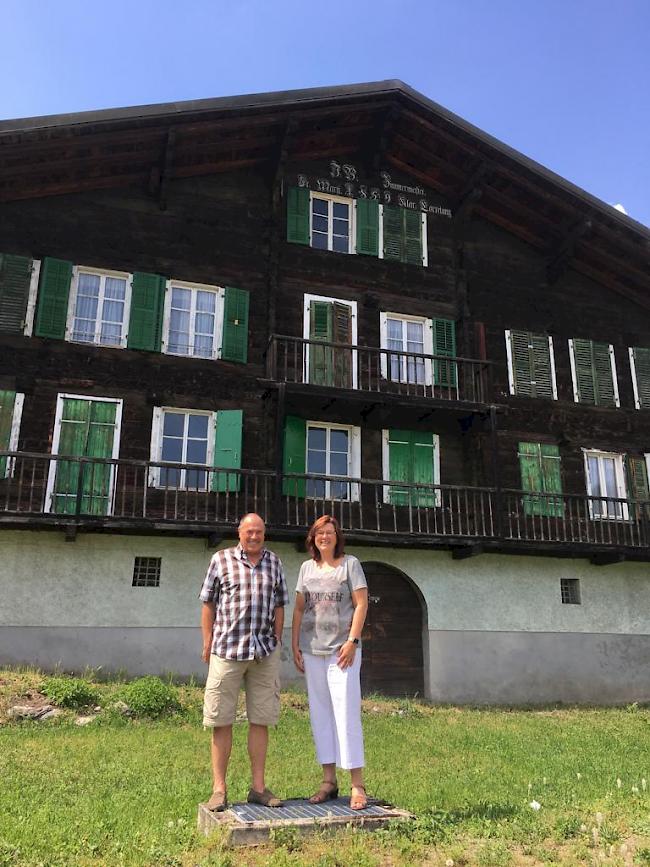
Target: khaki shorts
262, 680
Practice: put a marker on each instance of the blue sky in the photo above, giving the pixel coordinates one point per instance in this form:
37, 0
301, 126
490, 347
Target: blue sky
567, 82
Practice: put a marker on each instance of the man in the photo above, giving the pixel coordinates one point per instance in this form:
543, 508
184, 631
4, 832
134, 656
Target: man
243, 595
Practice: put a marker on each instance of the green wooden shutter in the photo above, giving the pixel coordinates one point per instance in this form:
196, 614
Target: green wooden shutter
54, 290
637, 485
605, 390
422, 451
87, 430
412, 223
444, 343
227, 449
15, 279
294, 455
147, 303
7, 403
584, 368
321, 327
367, 227
540, 473
400, 459
298, 215
235, 325
393, 235
551, 480
342, 333
642, 371
531, 364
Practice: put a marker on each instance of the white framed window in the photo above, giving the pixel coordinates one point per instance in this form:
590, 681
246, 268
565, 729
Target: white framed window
406, 334
182, 436
333, 450
412, 457
332, 223
605, 475
331, 320
84, 426
11, 410
531, 364
193, 319
99, 306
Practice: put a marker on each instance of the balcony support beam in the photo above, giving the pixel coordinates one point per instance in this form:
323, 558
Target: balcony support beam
607, 558
464, 552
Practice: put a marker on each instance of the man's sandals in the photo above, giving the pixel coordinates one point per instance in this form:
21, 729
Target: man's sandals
218, 802
328, 791
265, 798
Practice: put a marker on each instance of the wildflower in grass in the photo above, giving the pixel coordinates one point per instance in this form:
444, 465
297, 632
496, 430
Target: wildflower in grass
644, 784
583, 828
530, 788
449, 862
544, 780
579, 776
618, 783
635, 790
535, 805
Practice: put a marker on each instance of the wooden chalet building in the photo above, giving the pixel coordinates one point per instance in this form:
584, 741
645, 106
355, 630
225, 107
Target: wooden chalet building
343, 300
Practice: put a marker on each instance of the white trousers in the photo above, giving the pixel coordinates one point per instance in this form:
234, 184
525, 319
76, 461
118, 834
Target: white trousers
335, 710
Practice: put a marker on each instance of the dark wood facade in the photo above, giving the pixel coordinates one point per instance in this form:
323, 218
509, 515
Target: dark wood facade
198, 193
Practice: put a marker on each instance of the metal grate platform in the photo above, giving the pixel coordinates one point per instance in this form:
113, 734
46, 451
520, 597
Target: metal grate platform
301, 809
250, 824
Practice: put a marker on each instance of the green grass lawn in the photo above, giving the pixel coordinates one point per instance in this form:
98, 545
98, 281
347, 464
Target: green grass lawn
125, 791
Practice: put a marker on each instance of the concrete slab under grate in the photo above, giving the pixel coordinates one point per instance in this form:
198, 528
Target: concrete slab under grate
251, 824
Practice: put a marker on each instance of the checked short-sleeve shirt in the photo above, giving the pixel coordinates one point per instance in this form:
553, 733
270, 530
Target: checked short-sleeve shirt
246, 597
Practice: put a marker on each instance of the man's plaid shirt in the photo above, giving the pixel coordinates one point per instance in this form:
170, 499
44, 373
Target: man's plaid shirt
246, 597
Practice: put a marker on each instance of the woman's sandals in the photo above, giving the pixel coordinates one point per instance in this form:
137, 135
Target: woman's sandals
328, 791
358, 801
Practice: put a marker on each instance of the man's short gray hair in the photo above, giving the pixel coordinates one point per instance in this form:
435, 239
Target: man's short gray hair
251, 515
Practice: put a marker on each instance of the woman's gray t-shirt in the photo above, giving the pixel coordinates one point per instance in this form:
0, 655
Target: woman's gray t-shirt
328, 604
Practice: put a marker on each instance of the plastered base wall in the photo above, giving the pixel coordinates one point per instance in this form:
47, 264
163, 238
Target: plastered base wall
494, 629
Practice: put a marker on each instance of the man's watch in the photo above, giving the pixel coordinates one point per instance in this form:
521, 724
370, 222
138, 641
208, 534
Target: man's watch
354, 641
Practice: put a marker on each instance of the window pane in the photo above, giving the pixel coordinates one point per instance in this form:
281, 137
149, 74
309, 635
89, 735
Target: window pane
111, 334
395, 331
319, 206
316, 438
206, 301
316, 462
181, 298
204, 323
319, 241
315, 488
319, 224
173, 424
610, 477
594, 476
203, 346
172, 450
340, 210
115, 287
89, 284
339, 490
197, 452
339, 441
339, 244
338, 464
195, 479
170, 478
198, 426
415, 337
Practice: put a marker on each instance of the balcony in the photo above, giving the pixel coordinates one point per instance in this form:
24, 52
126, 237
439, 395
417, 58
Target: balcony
125, 495
365, 369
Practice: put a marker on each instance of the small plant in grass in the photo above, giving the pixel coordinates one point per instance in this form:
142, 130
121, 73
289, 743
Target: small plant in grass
286, 837
69, 691
642, 856
150, 696
568, 828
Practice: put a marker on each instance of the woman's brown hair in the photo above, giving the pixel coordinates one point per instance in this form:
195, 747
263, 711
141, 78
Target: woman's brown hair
318, 524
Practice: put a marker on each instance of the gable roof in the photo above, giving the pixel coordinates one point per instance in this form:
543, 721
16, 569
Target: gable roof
474, 171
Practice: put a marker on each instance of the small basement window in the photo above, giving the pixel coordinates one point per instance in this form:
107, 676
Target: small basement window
146, 572
570, 591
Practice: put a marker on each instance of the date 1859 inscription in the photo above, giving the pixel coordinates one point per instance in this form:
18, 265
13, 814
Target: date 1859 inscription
343, 180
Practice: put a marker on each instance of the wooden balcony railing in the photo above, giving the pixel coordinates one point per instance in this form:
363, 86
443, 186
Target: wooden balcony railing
369, 369
43, 489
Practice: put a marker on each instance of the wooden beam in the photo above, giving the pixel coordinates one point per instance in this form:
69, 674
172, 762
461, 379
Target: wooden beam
464, 552
558, 259
167, 168
607, 558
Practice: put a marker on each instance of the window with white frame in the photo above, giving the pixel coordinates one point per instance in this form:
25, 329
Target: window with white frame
605, 478
182, 436
332, 450
98, 308
409, 334
331, 223
193, 321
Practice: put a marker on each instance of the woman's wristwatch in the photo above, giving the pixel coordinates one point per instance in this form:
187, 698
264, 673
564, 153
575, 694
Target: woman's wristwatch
354, 641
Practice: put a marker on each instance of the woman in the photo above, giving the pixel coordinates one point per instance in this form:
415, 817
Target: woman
328, 618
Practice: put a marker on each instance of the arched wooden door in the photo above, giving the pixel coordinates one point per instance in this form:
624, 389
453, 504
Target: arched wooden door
392, 638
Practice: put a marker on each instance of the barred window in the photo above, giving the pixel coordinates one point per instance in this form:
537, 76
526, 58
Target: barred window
146, 572
570, 591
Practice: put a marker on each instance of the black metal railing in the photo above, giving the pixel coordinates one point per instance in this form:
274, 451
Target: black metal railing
82, 490
370, 369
